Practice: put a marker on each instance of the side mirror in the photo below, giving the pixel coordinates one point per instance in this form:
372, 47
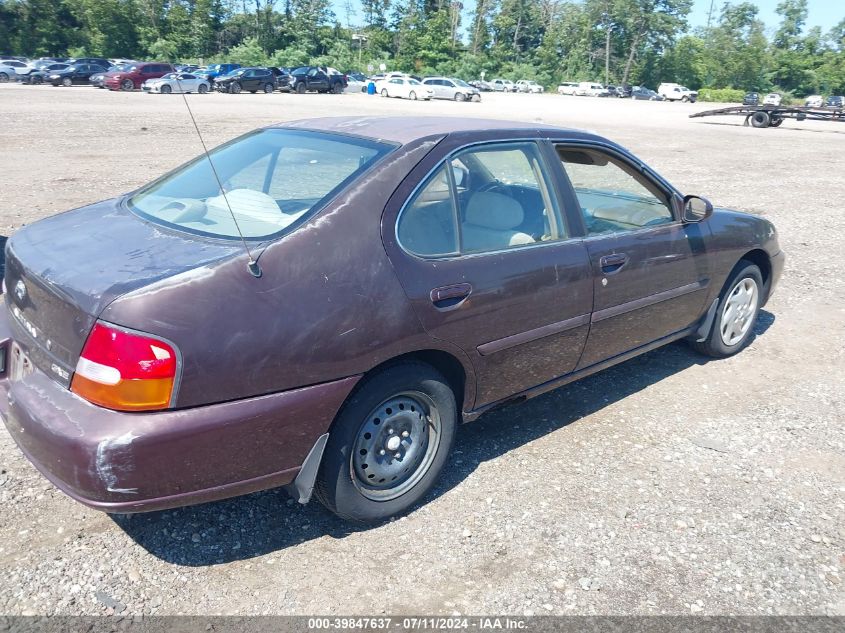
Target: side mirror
696, 209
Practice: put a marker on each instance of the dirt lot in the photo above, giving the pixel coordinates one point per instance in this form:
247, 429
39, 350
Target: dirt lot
665, 485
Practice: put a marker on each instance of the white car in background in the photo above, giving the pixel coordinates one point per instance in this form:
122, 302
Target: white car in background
176, 83
567, 88
814, 101
503, 85
590, 89
526, 85
677, 92
772, 98
404, 88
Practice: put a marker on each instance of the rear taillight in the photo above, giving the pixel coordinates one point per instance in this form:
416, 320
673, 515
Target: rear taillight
126, 371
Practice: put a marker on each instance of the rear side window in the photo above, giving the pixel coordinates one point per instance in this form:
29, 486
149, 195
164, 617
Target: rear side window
273, 180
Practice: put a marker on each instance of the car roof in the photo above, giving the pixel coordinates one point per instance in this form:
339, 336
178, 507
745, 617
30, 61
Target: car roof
406, 129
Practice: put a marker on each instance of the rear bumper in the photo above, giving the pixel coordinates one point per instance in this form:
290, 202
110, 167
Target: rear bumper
137, 462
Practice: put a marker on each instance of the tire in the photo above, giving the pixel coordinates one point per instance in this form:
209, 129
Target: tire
776, 121
67, 82
268, 89
412, 95
4, 78
202, 89
40, 80
760, 119
460, 96
353, 488
740, 329
337, 88
166, 90
384, 92
235, 88
300, 88
127, 85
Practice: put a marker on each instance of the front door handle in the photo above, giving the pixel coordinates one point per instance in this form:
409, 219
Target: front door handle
450, 296
613, 263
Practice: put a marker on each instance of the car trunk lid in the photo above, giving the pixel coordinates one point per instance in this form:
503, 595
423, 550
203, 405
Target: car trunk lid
62, 272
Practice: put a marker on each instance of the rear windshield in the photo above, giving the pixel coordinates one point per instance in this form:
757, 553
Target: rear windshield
272, 179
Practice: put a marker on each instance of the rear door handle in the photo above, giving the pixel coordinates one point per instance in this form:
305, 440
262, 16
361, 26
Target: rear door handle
613, 263
450, 296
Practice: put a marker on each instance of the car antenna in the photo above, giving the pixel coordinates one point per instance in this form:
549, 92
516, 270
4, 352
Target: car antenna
252, 264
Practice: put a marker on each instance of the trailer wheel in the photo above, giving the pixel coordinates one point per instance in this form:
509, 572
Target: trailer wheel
760, 119
776, 121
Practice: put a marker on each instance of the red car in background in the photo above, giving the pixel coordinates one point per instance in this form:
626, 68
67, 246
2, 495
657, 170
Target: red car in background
135, 75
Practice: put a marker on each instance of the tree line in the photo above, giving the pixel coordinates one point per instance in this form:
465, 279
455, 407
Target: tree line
614, 41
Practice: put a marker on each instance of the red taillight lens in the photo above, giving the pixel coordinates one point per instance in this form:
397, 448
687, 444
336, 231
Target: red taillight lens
125, 371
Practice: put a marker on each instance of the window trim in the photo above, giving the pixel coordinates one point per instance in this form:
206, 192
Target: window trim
673, 196
554, 193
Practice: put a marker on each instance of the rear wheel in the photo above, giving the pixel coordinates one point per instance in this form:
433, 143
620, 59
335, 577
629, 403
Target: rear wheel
736, 313
166, 90
389, 443
127, 85
3, 78
268, 88
337, 88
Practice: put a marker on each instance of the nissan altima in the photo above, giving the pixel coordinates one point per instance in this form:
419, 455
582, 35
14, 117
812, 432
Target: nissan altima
319, 304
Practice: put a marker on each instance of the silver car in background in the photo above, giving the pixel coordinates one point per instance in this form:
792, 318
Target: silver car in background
527, 85
452, 89
177, 83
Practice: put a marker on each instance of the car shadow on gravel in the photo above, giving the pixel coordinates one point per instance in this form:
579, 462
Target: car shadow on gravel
265, 522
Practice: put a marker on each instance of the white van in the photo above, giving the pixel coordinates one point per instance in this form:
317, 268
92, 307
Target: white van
590, 89
676, 92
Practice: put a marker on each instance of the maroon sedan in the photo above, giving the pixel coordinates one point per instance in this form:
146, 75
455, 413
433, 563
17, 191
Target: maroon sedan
402, 275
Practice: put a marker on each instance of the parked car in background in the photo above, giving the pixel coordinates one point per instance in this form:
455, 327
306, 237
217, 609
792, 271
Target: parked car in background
405, 88
316, 79
507, 259
529, 86
640, 93
213, 71
567, 88
751, 99
74, 75
773, 99
19, 67
590, 89
7, 73
835, 101
481, 85
503, 85
98, 80
677, 92
249, 79
178, 82
452, 89
814, 101
134, 76
36, 77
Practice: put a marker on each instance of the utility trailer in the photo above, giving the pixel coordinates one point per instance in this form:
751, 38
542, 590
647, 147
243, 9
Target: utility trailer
773, 116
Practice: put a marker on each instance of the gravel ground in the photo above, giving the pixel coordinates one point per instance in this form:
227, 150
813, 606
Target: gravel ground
666, 485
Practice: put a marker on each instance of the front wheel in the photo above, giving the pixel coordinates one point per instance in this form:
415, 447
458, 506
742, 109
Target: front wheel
127, 85
202, 89
384, 92
67, 82
235, 88
4, 78
300, 88
166, 90
460, 96
412, 95
389, 443
736, 313
268, 88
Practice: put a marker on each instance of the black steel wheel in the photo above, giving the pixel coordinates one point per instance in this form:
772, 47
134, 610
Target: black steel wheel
761, 118
388, 444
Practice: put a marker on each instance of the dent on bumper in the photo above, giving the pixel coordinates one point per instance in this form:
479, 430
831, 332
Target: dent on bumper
135, 462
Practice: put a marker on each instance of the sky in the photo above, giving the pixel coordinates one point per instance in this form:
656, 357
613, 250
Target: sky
823, 13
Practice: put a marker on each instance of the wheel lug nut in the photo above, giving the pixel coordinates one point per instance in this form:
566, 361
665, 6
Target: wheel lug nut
381, 452
398, 455
390, 431
405, 434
